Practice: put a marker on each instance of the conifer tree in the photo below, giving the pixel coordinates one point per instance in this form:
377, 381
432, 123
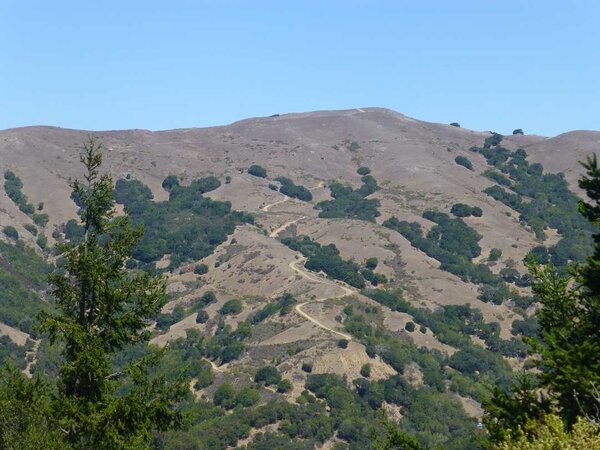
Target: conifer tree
568, 350
101, 309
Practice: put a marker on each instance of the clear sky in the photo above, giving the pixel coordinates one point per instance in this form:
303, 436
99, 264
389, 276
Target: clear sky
490, 65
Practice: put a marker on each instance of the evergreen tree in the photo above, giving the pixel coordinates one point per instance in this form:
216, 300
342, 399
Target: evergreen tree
569, 342
101, 308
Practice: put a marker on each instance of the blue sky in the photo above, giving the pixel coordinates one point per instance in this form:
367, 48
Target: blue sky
490, 65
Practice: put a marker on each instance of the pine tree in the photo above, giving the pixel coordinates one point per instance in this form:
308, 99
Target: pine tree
101, 309
568, 349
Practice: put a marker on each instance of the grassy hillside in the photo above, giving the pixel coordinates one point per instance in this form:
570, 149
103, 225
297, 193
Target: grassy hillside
363, 269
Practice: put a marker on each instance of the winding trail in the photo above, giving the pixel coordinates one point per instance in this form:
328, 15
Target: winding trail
312, 277
305, 274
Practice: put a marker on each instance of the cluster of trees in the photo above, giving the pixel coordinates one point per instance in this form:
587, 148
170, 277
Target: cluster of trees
98, 309
564, 392
22, 273
326, 258
452, 324
13, 187
542, 200
351, 203
453, 243
497, 177
462, 210
293, 190
429, 412
16, 353
188, 226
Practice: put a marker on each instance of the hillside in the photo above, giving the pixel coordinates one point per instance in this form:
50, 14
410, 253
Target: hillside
434, 264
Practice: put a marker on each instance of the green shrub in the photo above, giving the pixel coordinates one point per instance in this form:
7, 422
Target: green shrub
267, 374
363, 171
455, 124
204, 377
42, 241
13, 187
463, 161
247, 396
371, 263
495, 254
40, 220
164, 321
231, 307
31, 228
202, 316
284, 386
497, 177
342, 343
351, 203
493, 140
257, 171
169, 182
11, 232
307, 366
201, 269
208, 297
410, 326
273, 187
188, 226
225, 396
327, 259
518, 131
365, 370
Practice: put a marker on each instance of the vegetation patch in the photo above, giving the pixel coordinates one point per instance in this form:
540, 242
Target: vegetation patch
542, 200
188, 226
13, 187
327, 259
351, 203
292, 190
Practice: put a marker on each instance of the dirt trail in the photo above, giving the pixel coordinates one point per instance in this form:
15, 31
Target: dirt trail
285, 198
309, 276
270, 205
276, 232
317, 279
215, 367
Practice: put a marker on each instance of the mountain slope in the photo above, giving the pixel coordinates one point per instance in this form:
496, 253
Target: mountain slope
414, 165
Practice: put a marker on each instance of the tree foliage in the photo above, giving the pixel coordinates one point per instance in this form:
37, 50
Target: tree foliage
293, 190
188, 226
327, 258
464, 161
257, 171
100, 309
351, 203
568, 339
